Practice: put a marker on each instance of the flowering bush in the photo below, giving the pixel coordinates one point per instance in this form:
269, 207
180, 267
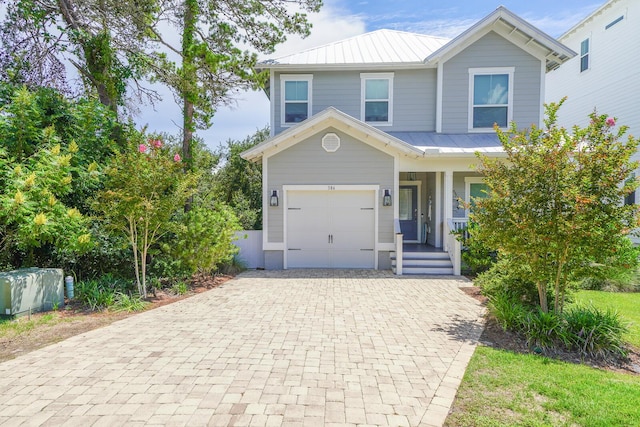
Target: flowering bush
145, 188
31, 211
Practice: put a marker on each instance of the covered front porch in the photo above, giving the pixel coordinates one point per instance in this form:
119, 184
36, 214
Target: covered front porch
430, 207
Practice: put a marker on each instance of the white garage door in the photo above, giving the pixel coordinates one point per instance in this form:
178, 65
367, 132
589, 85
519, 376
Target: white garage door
330, 229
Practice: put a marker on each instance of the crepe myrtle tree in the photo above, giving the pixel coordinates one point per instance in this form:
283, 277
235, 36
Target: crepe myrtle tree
555, 205
145, 187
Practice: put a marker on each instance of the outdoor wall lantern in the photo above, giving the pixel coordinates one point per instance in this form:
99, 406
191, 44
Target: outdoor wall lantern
386, 199
273, 200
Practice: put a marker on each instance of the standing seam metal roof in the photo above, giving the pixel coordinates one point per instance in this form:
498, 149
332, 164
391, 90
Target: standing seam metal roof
377, 47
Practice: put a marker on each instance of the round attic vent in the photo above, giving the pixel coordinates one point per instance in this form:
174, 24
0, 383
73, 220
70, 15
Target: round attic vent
331, 142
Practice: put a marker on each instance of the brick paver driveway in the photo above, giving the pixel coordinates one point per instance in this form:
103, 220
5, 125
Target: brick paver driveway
306, 347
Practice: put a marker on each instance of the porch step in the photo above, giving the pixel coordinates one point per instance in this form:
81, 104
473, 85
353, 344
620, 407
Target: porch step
430, 271
433, 263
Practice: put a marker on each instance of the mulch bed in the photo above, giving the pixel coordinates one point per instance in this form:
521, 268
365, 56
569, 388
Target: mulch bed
79, 319
494, 336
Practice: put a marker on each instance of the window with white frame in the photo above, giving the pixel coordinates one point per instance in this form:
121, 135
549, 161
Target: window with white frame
584, 55
377, 98
296, 98
490, 97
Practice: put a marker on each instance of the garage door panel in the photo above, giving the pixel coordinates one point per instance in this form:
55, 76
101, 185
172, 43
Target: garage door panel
309, 258
308, 218
353, 240
312, 239
345, 220
352, 199
347, 216
307, 199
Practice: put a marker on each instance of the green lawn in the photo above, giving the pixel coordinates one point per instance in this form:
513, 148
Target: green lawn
11, 328
501, 388
627, 305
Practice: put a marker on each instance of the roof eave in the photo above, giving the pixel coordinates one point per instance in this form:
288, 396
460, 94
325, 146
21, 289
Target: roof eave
302, 129
592, 15
558, 53
358, 66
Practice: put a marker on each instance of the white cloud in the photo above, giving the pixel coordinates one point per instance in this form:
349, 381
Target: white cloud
557, 24
329, 25
252, 109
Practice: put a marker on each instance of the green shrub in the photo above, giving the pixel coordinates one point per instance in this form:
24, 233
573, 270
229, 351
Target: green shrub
504, 277
234, 266
508, 312
204, 239
594, 332
477, 257
179, 288
127, 303
543, 330
100, 293
611, 285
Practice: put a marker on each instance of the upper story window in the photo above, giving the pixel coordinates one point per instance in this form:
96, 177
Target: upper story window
490, 97
377, 98
296, 98
584, 55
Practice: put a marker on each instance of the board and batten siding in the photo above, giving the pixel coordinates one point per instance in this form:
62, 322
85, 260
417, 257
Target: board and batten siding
492, 50
414, 97
307, 163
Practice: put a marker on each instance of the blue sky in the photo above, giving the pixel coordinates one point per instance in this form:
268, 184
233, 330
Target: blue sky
340, 19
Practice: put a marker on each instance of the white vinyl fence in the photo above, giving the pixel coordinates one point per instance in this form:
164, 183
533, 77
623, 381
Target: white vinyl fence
250, 244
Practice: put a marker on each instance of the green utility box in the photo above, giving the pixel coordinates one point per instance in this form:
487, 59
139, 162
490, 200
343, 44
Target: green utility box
30, 290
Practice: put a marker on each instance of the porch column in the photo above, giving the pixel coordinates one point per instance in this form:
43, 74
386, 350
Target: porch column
438, 210
447, 200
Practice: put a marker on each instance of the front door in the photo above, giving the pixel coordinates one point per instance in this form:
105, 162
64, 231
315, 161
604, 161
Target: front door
408, 212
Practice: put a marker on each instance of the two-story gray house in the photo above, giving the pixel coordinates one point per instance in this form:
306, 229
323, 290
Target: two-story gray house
374, 139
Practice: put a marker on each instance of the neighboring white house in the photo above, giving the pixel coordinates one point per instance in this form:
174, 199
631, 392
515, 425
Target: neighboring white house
605, 75
374, 140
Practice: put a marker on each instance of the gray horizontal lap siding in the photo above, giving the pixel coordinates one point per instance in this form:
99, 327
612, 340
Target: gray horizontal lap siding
492, 50
414, 97
307, 163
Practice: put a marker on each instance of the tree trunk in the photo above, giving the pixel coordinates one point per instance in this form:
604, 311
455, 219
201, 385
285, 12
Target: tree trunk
133, 235
542, 296
189, 93
98, 56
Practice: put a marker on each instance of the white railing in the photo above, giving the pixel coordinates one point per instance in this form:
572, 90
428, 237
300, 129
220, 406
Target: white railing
453, 246
399, 243
459, 223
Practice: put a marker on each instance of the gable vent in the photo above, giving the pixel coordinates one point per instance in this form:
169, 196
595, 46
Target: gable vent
331, 142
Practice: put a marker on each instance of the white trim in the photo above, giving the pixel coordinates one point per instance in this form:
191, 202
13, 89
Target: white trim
468, 180
297, 78
417, 184
439, 86
272, 104
330, 187
265, 205
333, 118
376, 76
396, 187
438, 208
543, 88
588, 54
510, 71
447, 197
514, 28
